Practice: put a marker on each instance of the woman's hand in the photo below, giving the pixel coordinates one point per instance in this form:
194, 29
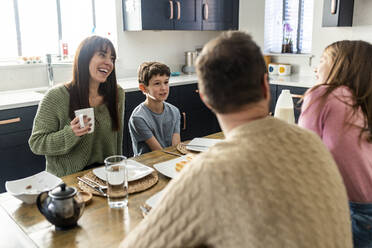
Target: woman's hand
75, 126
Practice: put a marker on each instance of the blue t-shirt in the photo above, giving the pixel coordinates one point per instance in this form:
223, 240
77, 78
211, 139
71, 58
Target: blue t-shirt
143, 124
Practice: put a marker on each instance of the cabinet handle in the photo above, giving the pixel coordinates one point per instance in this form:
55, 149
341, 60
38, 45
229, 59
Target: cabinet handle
178, 10
297, 96
14, 120
333, 7
184, 121
206, 11
171, 10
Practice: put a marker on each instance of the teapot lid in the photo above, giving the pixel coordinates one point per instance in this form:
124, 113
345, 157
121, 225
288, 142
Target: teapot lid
62, 192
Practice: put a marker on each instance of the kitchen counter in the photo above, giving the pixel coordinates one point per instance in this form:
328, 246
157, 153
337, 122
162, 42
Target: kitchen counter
29, 97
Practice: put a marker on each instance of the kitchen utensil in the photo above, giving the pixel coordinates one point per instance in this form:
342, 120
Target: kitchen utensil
172, 153
190, 58
62, 207
99, 185
93, 186
145, 210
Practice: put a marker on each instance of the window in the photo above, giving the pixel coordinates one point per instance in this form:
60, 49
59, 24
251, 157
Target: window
288, 26
38, 27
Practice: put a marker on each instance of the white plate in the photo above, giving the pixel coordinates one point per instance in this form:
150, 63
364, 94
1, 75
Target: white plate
168, 168
154, 200
201, 144
135, 171
27, 189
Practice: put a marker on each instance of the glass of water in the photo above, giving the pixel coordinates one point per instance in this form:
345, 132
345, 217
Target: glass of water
117, 181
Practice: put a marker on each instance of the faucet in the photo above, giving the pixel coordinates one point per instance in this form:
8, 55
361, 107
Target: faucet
50, 70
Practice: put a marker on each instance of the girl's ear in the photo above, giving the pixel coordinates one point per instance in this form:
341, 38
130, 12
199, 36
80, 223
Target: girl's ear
142, 88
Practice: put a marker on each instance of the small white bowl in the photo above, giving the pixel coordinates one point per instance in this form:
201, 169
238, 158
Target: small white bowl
27, 189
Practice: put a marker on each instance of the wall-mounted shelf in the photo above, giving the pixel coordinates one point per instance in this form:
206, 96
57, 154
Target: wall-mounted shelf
289, 54
309, 56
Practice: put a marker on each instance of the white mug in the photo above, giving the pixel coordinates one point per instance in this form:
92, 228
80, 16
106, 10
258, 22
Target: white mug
89, 112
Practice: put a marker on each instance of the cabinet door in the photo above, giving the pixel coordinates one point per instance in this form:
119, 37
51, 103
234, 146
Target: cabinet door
156, 15
296, 100
132, 100
187, 15
220, 14
17, 119
273, 98
196, 119
17, 160
338, 13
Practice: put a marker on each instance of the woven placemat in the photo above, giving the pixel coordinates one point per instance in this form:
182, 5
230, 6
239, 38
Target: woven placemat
181, 147
133, 186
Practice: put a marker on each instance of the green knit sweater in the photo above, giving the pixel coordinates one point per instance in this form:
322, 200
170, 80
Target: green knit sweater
66, 153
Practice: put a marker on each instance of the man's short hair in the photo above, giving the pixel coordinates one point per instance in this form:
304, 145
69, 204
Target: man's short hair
149, 69
231, 70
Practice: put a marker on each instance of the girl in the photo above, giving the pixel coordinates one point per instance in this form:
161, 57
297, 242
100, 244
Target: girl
339, 110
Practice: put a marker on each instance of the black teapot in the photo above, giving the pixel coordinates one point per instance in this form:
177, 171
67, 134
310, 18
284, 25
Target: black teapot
62, 207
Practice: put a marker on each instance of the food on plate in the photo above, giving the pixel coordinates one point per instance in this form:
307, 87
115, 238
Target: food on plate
181, 164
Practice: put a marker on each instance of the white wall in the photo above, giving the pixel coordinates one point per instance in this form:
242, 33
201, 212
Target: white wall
252, 19
133, 49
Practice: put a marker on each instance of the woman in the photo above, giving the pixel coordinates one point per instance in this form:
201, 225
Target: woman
57, 134
339, 110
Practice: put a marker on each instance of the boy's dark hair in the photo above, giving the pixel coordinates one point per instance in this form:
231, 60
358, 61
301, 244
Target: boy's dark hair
149, 69
231, 70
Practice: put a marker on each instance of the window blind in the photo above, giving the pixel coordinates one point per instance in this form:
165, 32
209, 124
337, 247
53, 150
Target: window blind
298, 14
8, 46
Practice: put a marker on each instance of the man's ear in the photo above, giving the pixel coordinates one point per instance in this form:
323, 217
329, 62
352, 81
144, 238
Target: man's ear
204, 100
142, 88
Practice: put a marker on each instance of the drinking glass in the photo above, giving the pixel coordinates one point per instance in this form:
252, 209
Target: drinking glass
117, 181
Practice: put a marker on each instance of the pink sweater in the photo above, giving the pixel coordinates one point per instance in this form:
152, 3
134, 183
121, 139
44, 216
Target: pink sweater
353, 158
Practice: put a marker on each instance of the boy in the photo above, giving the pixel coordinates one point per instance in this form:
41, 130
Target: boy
154, 124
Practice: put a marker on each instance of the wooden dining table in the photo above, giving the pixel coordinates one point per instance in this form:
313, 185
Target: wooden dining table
22, 225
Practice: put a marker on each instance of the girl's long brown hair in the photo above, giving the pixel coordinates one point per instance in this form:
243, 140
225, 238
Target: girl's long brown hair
351, 66
79, 86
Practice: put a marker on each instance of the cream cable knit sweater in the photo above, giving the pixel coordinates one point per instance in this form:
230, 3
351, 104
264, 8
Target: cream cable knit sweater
270, 184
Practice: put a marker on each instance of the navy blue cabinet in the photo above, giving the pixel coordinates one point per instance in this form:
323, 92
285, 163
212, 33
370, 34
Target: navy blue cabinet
162, 15
273, 98
220, 15
196, 119
17, 160
180, 14
338, 13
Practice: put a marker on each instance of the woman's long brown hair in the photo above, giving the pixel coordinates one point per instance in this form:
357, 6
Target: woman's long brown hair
351, 66
79, 86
